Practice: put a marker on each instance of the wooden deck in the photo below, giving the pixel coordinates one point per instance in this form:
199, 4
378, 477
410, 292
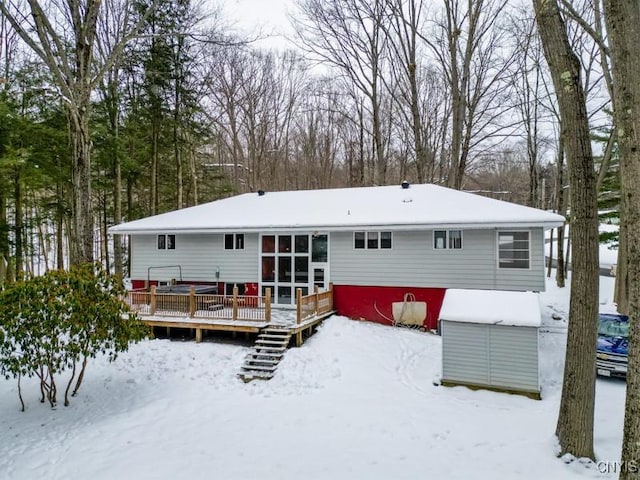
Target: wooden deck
231, 313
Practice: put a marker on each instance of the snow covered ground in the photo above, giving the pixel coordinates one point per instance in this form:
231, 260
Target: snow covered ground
357, 401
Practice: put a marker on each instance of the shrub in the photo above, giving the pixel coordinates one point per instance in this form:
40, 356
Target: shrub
57, 322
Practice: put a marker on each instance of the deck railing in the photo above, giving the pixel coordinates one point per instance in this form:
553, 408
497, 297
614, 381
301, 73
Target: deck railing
206, 306
317, 303
225, 307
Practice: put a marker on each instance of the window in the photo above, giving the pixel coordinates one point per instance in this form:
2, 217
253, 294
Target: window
269, 243
166, 242
302, 243
513, 249
284, 243
447, 239
372, 240
385, 239
234, 241
319, 248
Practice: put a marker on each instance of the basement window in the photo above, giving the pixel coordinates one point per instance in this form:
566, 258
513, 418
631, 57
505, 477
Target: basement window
166, 242
447, 239
234, 241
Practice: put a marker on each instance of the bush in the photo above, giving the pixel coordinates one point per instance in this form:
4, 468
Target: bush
56, 322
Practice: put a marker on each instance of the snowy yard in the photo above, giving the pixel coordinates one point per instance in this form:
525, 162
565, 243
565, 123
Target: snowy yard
357, 401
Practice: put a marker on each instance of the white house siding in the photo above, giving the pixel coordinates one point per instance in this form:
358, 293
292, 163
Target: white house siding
490, 355
198, 255
413, 261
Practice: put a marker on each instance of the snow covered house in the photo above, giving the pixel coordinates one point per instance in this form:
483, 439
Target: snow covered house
378, 246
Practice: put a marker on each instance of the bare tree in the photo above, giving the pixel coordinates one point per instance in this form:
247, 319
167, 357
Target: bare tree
575, 419
64, 37
468, 43
623, 28
527, 87
350, 35
7, 49
403, 44
111, 23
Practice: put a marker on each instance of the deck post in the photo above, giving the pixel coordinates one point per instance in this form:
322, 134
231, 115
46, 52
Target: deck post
198, 335
298, 305
192, 304
152, 303
315, 299
234, 315
331, 297
267, 304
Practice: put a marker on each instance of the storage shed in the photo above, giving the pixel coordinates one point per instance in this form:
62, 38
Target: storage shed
490, 340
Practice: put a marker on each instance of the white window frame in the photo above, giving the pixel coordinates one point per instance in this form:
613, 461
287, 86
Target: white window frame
166, 241
366, 239
235, 241
498, 233
447, 238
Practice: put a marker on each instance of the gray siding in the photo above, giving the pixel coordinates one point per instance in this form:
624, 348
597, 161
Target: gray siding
465, 353
499, 356
414, 262
198, 255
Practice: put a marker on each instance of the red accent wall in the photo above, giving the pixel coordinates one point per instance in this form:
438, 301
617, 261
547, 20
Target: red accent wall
360, 302
137, 284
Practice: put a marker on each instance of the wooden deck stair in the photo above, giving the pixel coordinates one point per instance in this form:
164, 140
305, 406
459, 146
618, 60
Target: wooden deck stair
269, 348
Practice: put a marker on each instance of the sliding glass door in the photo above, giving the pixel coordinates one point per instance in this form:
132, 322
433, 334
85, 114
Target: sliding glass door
292, 261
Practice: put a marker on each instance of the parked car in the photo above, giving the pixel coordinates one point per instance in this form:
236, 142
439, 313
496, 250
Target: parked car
613, 342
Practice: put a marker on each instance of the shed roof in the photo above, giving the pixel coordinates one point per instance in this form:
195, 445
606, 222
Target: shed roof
423, 206
491, 307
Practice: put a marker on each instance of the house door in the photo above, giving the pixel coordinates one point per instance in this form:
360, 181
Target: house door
292, 261
320, 261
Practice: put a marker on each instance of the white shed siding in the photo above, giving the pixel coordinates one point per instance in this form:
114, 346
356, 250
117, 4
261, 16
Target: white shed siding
414, 262
198, 255
493, 355
465, 356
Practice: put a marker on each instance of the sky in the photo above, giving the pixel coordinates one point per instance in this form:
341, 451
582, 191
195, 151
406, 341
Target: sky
266, 16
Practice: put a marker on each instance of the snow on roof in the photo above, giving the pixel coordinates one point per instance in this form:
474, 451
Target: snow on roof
491, 306
393, 207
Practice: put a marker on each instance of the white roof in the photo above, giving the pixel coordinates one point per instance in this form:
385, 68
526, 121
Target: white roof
491, 306
392, 207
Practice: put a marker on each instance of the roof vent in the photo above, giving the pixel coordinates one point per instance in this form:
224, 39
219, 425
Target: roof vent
405, 184
260, 193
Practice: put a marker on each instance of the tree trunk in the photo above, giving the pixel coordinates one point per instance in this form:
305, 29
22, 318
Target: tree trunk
621, 290
18, 222
104, 249
59, 226
193, 174
153, 200
177, 155
575, 420
82, 212
117, 175
623, 28
4, 240
561, 208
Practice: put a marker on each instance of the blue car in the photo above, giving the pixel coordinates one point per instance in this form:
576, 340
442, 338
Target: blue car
613, 342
